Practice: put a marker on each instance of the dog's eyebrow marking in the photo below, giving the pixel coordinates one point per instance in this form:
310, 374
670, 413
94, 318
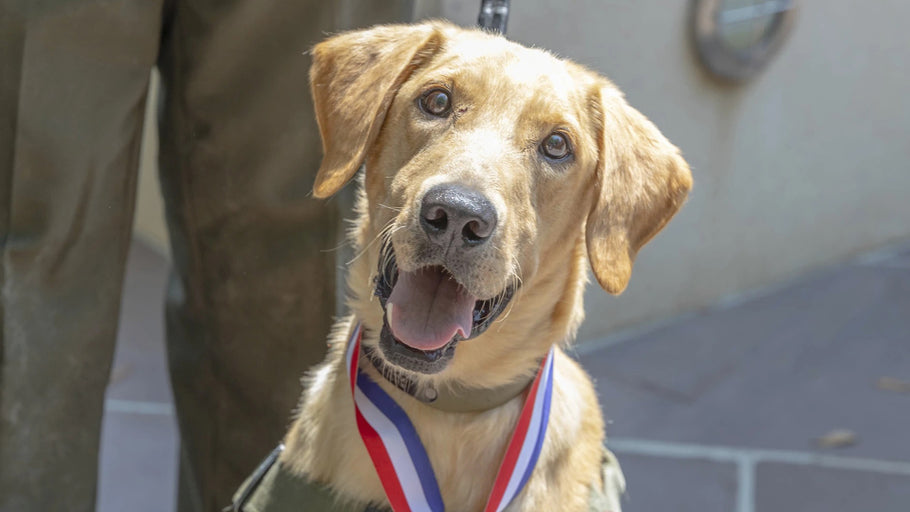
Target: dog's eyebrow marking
444, 81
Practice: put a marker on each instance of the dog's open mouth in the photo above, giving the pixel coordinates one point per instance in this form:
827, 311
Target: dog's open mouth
427, 312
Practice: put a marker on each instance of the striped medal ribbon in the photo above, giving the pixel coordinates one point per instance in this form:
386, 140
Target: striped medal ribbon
399, 456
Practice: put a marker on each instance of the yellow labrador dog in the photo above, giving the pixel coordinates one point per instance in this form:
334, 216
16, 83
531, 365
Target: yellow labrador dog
494, 174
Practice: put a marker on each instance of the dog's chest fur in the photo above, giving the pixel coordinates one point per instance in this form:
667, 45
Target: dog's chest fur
465, 449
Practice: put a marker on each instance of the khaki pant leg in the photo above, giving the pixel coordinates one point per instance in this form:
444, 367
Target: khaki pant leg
73, 81
251, 298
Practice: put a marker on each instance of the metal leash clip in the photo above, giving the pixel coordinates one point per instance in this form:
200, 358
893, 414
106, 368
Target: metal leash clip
494, 15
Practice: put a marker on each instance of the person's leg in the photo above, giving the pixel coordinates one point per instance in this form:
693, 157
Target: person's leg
73, 81
251, 298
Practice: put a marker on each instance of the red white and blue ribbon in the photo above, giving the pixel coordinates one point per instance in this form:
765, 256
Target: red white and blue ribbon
399, 456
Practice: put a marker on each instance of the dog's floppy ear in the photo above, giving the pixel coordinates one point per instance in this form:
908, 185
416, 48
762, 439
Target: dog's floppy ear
642, 181
354, 78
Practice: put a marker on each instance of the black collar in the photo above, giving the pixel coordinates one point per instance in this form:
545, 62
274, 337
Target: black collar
450, 398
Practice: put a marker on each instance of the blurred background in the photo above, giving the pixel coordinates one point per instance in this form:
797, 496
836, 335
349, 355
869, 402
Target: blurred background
760, 358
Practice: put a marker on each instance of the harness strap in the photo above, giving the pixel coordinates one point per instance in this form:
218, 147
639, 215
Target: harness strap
274, 488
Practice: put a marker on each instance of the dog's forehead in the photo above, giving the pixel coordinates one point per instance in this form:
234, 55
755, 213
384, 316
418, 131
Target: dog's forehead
483, 55
485, 49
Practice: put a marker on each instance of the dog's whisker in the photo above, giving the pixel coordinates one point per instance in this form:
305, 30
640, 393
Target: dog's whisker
341, 245
515, 285
516, 272
393, 208
378, 236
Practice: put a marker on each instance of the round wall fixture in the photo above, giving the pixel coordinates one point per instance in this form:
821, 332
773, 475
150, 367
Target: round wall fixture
735, 39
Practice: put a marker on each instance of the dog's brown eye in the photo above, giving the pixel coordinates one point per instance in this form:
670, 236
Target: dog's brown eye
555, 146
436, 102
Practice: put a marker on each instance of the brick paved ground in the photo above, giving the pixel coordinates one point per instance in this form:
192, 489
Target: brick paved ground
718, 411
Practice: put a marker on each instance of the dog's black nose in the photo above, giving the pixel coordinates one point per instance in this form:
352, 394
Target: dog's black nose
449, 213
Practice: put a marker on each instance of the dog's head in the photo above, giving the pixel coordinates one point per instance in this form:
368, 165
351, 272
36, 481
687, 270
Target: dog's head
492, 170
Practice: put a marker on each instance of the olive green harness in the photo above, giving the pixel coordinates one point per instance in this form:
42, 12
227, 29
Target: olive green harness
274, 488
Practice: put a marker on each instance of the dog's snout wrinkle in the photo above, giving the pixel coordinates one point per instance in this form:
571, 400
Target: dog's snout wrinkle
455, 215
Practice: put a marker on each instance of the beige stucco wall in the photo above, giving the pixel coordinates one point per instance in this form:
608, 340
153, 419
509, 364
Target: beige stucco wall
804, 166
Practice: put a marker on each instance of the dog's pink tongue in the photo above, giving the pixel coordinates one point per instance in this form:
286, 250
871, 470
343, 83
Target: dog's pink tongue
427, 308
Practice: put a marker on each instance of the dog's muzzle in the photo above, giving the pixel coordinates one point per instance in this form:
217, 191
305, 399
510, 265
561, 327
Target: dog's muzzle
427, 312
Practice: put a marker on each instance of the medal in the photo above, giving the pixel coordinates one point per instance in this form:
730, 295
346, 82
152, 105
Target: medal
398, 454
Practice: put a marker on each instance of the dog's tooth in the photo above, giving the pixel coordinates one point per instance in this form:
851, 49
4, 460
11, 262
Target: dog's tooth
388, 313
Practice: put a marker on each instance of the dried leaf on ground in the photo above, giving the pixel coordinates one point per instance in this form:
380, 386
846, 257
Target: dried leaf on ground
838, 438
893, 384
